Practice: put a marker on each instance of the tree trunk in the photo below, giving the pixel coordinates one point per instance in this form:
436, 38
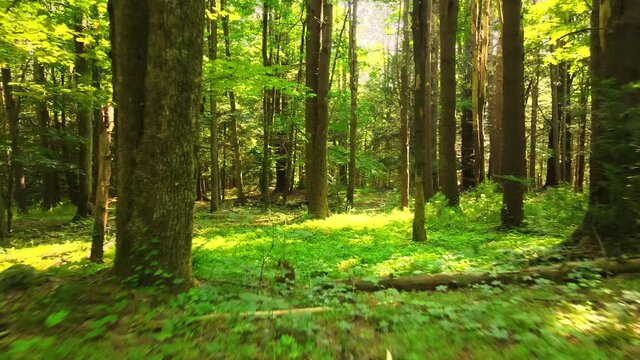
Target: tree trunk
567, 116
434, 84
158, 53
480, 32
4, 156
553, 162
421, 14
353, 85
49, 177
513, 139
233, 126
534, 132
103, 147
267, 112
319, 21
495, 134
85, 129
581, 162
404, 108
18, 184
612, 224
213, 109
448, 28
467, 143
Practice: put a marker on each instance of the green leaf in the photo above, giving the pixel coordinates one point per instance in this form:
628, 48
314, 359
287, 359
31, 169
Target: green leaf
56, 318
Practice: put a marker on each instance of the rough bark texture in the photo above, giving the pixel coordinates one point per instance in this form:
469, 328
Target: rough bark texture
103, 158
513, 139
319, 20
448, 27
421, 13
85, 129
158, 52
404, 108
353, 86
612, 224
213, 109
558, 273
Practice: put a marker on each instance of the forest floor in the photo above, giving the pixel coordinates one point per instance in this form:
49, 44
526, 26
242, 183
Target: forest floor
76, 310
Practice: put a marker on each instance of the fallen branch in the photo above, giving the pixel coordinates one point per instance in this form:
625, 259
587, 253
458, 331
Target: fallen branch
558, 273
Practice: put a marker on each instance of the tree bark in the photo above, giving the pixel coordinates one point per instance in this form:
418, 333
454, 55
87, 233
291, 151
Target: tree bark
467, 143
267, 112
534, 132
495, 134
421, 14
319, 21
448, 28
611, 223
513, 139
158, 53
85, 128
553, 162
581, 156
103, 147
404, 108
353, 86
213, 109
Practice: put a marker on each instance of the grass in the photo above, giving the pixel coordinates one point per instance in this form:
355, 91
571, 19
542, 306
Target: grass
79, 311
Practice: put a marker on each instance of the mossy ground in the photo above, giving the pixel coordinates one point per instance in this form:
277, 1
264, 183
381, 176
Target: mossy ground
79, 311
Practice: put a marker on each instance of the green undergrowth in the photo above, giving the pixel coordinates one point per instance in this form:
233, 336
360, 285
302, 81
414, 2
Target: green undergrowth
78, 311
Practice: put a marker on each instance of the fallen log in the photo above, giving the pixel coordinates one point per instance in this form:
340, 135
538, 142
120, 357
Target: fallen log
557, 273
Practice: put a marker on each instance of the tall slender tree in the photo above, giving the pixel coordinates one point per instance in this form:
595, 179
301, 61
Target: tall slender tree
421, 14
158, 47
513, 139
353, 86
405, 98
448, 27
213, 109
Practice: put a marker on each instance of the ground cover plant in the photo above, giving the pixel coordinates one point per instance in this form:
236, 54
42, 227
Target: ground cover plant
78, 310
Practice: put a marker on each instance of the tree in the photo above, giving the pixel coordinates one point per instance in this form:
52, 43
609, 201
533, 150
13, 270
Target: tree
319, 21
213, 108
513, 139
495, 137
404, 108
423, 178
448, 27
158, 50
103, 157
85, 126
49, 177
611, 224
353, 85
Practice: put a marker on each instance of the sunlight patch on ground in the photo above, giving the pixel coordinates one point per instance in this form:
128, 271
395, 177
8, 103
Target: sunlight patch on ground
357, 221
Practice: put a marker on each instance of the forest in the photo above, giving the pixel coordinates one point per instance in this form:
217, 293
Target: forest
319, 179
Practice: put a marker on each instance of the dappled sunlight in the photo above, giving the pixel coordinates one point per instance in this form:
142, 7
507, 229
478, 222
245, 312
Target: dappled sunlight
45, 256
357, 221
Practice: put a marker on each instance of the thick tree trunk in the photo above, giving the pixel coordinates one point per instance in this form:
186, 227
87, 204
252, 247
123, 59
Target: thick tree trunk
353, 86
103, 147
213, 109
513, 139
611, 224
448, 28
85, 129
421, 14
319, 20
158, 53
404, 108
17, 190
233, 126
